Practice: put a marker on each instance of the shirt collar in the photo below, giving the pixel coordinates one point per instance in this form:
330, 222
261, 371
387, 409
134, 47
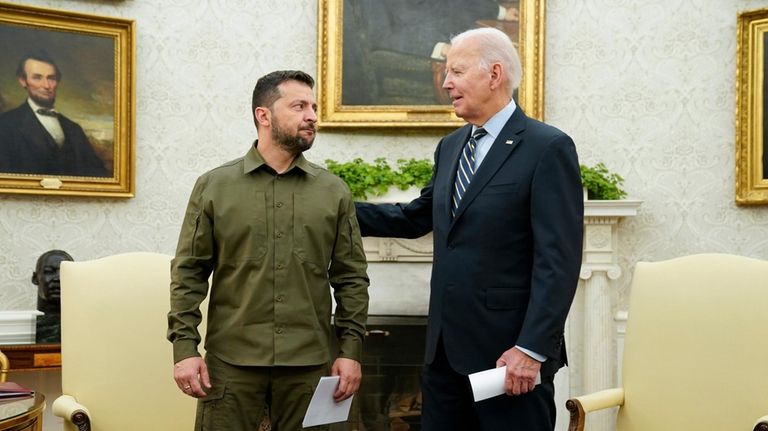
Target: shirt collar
35, 106
253, 161
494, 125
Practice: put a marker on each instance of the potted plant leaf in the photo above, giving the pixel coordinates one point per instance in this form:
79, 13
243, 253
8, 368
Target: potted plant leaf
366, 179
602, 184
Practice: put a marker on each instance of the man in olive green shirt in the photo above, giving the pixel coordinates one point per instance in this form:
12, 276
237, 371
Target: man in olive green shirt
275, 230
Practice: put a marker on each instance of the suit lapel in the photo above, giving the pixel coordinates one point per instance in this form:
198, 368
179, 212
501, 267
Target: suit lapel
509, 138
34, 132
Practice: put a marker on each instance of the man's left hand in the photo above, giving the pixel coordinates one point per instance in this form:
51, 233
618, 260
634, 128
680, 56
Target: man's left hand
350, 373
521, 371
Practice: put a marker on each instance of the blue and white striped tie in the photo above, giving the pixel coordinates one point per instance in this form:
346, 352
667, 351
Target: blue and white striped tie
466, 169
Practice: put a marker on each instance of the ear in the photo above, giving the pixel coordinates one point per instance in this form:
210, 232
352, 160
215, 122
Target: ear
34, 278
497, 75
22, 81
262, 116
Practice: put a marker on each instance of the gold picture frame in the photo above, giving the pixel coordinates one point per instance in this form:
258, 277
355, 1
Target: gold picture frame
751, 110
94, 94
363, 83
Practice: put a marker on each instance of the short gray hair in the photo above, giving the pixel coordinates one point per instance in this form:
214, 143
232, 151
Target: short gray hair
495, 47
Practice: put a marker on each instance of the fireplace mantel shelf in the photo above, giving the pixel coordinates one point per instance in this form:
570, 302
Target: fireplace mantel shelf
596, 212
619, 208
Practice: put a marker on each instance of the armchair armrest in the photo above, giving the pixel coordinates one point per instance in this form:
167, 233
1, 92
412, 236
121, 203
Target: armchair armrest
66, 407
761, 424
580, 406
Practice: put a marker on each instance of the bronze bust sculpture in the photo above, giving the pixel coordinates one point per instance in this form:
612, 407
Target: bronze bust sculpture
46, 277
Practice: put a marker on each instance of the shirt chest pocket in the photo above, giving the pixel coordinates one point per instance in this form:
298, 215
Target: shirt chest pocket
241, 227
314, 229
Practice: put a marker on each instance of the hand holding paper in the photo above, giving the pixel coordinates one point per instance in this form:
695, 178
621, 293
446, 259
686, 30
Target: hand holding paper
350, 373
322, 408
490, 383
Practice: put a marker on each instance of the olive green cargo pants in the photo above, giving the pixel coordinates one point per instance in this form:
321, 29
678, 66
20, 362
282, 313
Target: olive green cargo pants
237, 400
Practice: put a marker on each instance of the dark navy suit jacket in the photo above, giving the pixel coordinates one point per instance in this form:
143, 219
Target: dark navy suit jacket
505, 269
27, 148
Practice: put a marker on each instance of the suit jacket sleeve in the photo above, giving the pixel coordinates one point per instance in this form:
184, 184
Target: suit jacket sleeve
557, 210
412, 220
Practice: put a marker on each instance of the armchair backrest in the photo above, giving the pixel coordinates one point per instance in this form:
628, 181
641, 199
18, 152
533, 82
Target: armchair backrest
116, 360
696, 346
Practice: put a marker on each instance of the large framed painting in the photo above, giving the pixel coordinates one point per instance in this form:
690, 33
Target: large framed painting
381, 63
752, 108
67, 103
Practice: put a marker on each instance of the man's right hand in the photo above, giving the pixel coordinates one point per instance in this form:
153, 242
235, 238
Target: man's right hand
191, 374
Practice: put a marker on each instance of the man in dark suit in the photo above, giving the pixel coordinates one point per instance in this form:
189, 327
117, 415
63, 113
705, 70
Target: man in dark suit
36, 139
505, 209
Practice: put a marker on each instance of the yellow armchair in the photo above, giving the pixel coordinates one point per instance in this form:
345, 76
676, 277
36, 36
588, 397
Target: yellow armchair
695, 351
117, 366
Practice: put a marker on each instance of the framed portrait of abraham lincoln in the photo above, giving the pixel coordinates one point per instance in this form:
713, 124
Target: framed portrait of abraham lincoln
382, 63
67, 103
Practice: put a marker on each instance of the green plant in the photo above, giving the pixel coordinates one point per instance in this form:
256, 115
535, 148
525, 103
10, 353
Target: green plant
375, 178
413, 172
601, 183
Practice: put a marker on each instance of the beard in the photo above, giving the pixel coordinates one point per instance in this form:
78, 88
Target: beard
43, 102
292, 143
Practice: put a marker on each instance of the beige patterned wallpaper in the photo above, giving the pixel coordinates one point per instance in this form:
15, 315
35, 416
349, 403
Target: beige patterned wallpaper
645, 86
649, 88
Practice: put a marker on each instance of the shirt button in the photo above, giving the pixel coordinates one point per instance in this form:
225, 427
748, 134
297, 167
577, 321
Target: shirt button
280, 298
279, 266
279, 234
279, 205
279, 330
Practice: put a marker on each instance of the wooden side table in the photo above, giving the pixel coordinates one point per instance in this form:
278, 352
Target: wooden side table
32, 356
25, 414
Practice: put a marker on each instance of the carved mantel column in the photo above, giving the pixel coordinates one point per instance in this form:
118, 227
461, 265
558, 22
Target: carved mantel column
599, 268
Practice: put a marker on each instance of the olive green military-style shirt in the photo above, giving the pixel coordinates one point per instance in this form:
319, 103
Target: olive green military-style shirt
274, 243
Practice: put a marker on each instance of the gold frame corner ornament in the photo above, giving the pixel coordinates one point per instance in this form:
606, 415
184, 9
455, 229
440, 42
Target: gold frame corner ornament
121, 32
751, 178
332, 113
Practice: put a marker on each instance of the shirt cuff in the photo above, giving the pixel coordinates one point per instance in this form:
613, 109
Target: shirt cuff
184, 349
534, 355
351, 349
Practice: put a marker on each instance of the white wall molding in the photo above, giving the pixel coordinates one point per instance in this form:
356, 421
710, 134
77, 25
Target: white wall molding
18, 327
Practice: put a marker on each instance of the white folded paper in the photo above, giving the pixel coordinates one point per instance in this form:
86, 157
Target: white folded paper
322, 408
490, 383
